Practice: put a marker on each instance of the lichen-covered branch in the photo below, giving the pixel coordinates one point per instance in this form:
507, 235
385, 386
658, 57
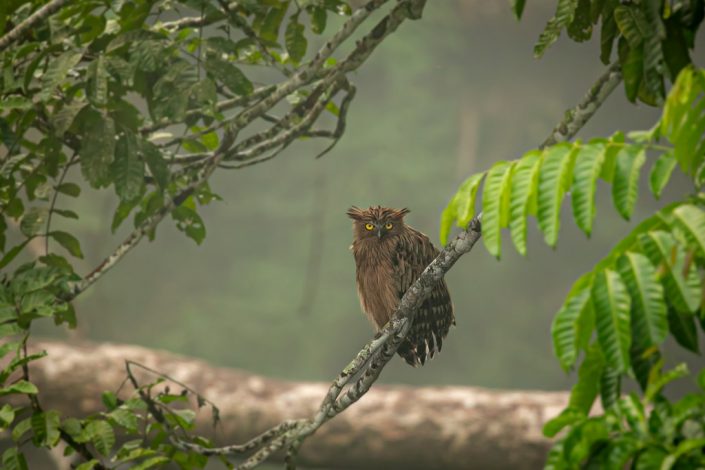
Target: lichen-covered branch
575, 118
43, 13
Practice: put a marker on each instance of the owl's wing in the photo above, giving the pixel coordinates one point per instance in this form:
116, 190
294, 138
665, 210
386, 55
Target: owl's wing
414, 251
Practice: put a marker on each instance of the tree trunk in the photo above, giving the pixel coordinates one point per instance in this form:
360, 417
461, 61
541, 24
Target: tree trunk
391, 427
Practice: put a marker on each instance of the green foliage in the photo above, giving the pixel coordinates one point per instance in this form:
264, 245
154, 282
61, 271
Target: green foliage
654, 37
138, 104
650, 286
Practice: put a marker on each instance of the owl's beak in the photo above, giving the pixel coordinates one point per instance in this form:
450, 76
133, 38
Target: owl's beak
379, 233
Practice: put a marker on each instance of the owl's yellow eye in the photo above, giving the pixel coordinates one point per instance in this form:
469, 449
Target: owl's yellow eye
369, 226
388, 226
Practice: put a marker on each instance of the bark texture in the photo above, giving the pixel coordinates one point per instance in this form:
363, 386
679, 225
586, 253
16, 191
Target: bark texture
391, 427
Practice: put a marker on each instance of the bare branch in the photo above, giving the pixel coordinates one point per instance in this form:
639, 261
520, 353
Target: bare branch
15, 33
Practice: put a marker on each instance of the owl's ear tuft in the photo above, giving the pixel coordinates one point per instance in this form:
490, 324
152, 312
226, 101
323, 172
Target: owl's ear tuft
399, 213
355, 213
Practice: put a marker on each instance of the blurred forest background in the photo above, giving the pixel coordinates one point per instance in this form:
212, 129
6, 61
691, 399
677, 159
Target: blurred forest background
272, 288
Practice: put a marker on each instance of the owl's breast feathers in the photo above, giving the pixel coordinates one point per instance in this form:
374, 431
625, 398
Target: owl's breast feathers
385, 270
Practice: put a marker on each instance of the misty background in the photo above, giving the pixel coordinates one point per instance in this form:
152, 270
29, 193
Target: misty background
272, 288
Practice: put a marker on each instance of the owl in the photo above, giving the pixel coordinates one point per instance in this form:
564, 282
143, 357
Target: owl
389, 257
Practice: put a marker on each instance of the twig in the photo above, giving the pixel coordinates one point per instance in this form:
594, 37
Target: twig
575, 118
39, 15
53, 203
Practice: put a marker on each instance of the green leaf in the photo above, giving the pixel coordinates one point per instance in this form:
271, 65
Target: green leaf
21, 386
125, 418
465, 199
524, 187
580, 29
46, 428
318, 19
682, 291
69, 214
270, 26
68, 241
518, 8
128, 169
568, 417
661, 380
626, 179
564, 329
151, 463
97, 148
614, 145
98, 82
689, 446
683, 119
590, 434
587, 169
447, 218
650, 459
584, 392
556, 168
620, 452
661, 173
611, 302
34, 221
691, 220
89, 465
56, 72
7, 415
632, 24
40, 300
189, 222
229, 75
123, 210
653, 52
13, 459
632, 62
295, 40
565, 12
15, 102
610, 387
101, 434
608, 32
648, 306
683, 329
70, 189
495, 201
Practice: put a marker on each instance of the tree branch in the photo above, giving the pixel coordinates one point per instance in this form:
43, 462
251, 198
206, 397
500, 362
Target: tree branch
15, 33
575, 118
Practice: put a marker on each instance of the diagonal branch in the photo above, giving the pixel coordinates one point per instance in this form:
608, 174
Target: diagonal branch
575, 118
15, 33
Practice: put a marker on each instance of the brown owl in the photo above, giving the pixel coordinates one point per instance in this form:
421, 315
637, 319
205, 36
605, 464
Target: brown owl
389, 257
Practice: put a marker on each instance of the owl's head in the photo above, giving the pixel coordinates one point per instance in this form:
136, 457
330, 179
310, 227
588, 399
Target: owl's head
377, 222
